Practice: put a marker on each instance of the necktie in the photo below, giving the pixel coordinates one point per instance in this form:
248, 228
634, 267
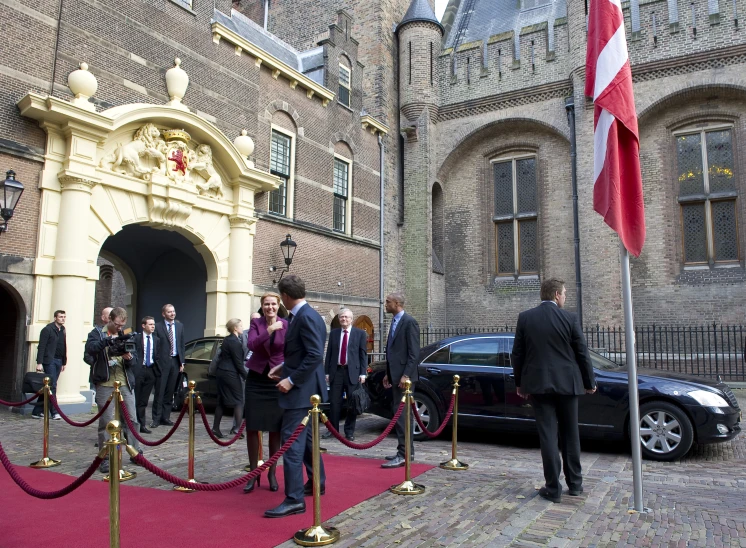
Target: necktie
391, 331
343, 352
290, 317
147, 353
171, 339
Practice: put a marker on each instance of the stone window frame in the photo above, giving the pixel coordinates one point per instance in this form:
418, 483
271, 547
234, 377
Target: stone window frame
348, 87
513, 155
347, 199
703, 125
290, 182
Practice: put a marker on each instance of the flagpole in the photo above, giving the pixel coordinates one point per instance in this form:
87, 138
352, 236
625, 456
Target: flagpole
634, 399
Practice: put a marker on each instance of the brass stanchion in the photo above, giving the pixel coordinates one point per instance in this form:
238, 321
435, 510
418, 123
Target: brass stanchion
45, 461
454, 463
317, 535
190, 398
114, 428
408, 487
117, 400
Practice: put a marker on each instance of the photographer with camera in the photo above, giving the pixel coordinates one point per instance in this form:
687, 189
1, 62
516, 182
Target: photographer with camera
115, 360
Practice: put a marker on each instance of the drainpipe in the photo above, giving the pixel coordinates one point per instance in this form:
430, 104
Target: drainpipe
380, 253
570, 108
266, 13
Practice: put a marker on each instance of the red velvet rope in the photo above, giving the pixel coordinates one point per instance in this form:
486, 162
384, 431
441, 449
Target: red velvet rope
370, 444
71, 422
20, 403
210, 432
442, 426
47, 494
133, 430
149, 466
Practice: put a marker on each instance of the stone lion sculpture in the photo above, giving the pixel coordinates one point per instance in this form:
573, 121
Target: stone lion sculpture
128, 158
211, 184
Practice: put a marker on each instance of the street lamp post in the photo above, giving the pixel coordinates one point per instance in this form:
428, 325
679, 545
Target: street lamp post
288, 251
10, 193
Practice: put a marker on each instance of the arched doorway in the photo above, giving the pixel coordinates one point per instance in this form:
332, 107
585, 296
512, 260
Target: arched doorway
12, 322
166, 268
364, 323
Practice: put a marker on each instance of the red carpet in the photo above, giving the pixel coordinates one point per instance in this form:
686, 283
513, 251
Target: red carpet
153, 517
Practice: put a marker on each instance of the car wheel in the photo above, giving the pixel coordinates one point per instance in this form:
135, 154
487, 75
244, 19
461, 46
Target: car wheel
428, 413
665, 431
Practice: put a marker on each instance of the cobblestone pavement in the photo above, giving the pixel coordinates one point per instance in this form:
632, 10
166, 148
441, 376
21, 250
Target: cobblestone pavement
698, 501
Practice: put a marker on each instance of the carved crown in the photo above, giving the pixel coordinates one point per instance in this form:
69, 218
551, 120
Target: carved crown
176, 135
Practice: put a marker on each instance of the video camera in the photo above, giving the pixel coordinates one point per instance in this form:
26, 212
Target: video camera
122, 343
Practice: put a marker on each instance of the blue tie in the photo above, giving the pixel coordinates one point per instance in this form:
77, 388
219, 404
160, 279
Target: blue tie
147, 353
391, 331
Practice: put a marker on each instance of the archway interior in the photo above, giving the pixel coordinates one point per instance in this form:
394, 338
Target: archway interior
11, 326
167, 269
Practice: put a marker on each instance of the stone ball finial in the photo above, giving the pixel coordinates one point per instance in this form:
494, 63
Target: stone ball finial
244, 144
177, 82
84, 85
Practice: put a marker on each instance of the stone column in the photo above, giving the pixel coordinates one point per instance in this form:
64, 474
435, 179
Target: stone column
70, 272
239, 286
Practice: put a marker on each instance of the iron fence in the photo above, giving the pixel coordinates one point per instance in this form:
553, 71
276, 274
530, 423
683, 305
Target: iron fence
705, 350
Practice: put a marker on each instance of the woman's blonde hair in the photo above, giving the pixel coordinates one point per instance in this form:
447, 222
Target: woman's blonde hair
231, 325
270, 294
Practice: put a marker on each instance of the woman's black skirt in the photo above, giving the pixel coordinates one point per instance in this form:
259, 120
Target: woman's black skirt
262, 410
230, 388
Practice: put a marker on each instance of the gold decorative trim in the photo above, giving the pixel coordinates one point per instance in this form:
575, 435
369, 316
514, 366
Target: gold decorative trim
373, 125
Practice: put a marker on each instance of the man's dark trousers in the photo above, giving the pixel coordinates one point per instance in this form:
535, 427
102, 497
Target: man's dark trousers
301, 450
143, 387
165, 387
398, 394
51, 370
553, 410
340, 383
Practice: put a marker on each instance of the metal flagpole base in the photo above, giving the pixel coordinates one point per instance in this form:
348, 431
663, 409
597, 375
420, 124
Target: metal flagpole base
46, 462
408, 488
454, 464
186, 489
317, 536
123, 476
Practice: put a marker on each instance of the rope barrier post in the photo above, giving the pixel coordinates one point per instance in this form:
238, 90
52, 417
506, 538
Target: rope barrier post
317, 535
190, 398
114, 428
45, 461
454, 463
117, 400
408, 487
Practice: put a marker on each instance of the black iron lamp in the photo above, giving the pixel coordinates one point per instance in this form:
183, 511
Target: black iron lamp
288, 251
10, 193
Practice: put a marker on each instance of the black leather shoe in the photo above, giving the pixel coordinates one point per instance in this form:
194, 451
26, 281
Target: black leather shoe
394, 463
144, 430
249, 487
391, 457
233, 432
308, 488
154, 425
104, 466
167, 422
544, 493
351, 437
286, 509
575, 492
217, 433
326, 435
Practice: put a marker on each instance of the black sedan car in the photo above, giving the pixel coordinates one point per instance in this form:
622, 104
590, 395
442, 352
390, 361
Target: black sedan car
675, 410
199, 352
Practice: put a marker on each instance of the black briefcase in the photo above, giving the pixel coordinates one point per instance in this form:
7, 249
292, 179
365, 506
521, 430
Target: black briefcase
358, 402
33, 381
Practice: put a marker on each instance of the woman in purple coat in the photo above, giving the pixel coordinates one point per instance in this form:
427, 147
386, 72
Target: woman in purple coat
262, 411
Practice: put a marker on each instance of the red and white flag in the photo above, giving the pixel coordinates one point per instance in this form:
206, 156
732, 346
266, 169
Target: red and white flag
617, 191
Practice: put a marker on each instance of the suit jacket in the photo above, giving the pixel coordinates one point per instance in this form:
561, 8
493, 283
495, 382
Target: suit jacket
357, 354
403, 351
550, 355
263, 353
96, 346
165, 350
244, 338
48, 344
156, 343
231, 356
304, 359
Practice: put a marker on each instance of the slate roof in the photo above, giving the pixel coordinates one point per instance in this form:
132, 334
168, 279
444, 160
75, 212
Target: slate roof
420, 10
480, 19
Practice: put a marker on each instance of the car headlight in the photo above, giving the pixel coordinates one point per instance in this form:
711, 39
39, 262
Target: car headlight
708, 399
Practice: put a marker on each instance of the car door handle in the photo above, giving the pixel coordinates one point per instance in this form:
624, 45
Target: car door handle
511, 376
433, 371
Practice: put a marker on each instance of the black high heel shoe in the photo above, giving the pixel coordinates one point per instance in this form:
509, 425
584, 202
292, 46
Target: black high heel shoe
217, 433
233, 432
272, 481
250, 485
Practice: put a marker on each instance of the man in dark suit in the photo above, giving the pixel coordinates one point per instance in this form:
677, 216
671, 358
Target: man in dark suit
301, 376
402, 360
552, 365
147, 352
170, 361
346, 360
51, 357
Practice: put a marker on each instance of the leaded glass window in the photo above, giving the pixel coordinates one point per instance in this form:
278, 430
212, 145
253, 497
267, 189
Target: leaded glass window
705, 170
341, 189
515, 216
279, 165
